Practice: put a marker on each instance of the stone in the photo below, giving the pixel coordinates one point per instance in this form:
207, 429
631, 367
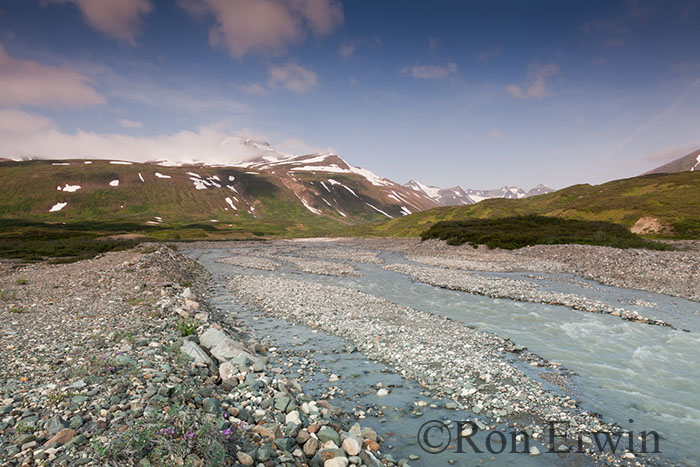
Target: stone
333, 378
264, 453
76, 441
293, 417
244, 459
211, 405
187, 294
283, 403
382, 392
534, 451
60, 438
196, 353
369, 433
302, 437
211, 338
227, 370
327, 433
310, 447
352, 446
337, 462
228, 349
24, 439
54, 424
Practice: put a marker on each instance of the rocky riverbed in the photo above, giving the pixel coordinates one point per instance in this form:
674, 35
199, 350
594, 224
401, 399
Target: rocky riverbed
480, 372
119, 360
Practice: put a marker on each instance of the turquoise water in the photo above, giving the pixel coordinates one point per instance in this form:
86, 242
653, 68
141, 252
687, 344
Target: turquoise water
626, 371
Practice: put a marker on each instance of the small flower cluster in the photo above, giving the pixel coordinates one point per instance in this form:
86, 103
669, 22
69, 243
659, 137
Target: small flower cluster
166, 431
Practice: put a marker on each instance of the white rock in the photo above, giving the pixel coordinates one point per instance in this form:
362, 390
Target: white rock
199, 356
352, 446
382, 392
211, 338
337, 462
187, 294
293, 417
534, 451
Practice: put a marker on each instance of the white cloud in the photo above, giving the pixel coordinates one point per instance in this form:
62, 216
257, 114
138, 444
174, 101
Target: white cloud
126, 123
264, 26
25, 82
27, 135
14, 121
430, 71
298, 146
536, 86
117, 18
292, 77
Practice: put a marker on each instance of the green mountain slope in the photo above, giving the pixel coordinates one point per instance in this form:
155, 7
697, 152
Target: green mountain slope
672, 199
303, 196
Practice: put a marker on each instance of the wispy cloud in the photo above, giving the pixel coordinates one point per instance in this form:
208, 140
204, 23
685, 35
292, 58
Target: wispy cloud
264, 26
654, 119
117, 18
488, 53
30, 83
346, 51
536, 85
254, 89
431, 71
126, 123
495, 134
434, 43
292, 77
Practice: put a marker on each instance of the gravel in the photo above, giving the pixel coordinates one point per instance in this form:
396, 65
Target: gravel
482, 375
109, 362
513, 289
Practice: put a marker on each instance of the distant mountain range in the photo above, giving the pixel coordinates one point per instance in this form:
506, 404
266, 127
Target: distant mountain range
688, 163
458, 196
280, 194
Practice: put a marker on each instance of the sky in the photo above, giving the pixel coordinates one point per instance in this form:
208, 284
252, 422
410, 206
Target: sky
477, 94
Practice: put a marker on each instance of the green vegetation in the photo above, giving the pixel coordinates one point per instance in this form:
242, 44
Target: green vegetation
187, 327
673, 199
21, 281
520, 231
35, 241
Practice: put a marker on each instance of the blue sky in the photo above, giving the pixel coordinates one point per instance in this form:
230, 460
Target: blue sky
479, 94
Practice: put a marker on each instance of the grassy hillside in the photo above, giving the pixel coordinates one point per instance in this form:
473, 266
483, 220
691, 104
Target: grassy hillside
673, 199
169, 206
520, 231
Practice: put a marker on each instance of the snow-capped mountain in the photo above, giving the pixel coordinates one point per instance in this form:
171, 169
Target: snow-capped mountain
458, 196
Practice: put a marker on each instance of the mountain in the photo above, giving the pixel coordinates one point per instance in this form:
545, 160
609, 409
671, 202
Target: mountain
661, 204
273, 194
689, 163
457, 196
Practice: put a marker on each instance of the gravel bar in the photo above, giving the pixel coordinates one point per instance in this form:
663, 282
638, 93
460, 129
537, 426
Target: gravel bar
513, 289
475, 369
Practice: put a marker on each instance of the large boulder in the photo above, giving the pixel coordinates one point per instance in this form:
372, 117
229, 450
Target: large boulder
212, 337
199, 356
229, 349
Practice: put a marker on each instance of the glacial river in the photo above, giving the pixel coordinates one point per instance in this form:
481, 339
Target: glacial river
641, 377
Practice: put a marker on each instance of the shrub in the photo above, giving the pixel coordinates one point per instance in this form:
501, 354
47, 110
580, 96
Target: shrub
521, 231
